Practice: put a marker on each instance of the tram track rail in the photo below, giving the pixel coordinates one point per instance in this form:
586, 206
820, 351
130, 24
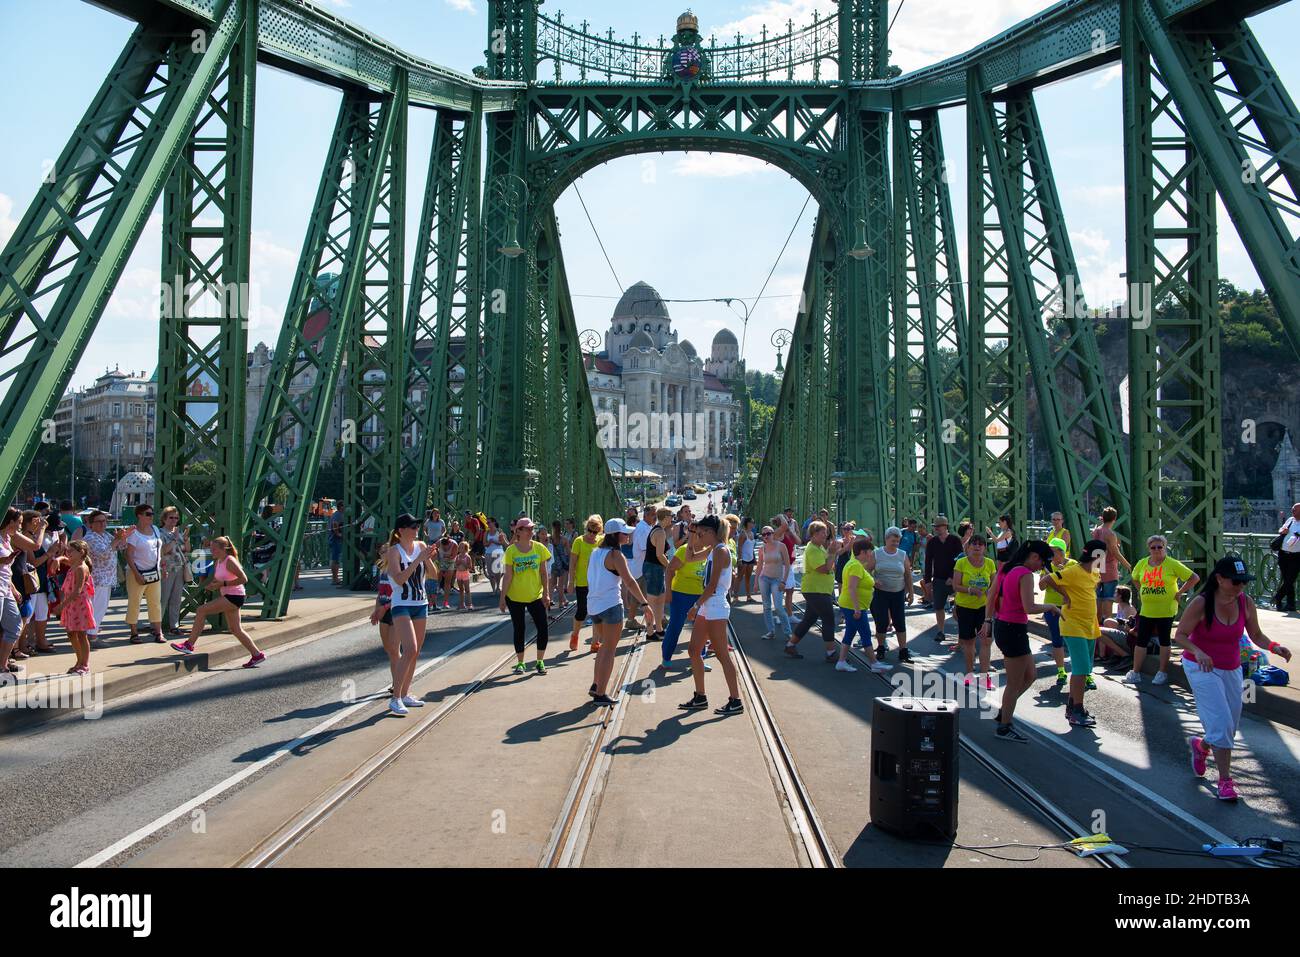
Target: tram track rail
273, 848
818, 851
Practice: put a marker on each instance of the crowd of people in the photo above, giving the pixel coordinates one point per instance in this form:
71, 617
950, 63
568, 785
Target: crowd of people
655, 571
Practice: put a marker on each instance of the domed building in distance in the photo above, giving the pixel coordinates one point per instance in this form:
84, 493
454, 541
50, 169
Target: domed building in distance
644, 369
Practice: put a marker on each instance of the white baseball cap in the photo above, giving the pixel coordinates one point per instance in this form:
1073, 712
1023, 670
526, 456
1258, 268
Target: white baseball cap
617, 526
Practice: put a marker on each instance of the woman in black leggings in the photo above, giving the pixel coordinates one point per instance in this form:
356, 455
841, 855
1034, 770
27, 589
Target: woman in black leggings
524, 589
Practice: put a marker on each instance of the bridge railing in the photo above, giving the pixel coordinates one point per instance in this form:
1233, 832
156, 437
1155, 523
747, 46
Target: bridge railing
796, 54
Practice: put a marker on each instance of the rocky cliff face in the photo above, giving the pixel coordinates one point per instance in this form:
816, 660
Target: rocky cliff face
1261, 401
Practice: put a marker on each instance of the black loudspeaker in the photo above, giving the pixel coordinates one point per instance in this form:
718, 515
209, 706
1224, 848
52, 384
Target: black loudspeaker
914, 766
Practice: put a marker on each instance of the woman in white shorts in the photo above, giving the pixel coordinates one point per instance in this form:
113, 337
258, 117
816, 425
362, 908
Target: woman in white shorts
607, 570
710, 614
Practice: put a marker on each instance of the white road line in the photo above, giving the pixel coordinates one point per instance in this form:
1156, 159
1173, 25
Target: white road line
135, 837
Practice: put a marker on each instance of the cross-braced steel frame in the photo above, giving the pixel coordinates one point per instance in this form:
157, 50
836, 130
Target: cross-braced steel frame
910, 377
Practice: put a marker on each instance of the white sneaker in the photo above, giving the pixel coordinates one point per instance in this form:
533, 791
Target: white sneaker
769, 636
395, 705
1160, 678
880, 667
844, 666
1132, 678
412, 702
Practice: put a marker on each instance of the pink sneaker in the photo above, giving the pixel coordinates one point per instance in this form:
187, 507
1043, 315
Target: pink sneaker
988, 682
1227, 790
256, 660
184, 647
968, 681
1198, 755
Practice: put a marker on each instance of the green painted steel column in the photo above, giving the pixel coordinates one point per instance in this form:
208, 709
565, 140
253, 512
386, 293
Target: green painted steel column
203, 333
1176, 460
376, 364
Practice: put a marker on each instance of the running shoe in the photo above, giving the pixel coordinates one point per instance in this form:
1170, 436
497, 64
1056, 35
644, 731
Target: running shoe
832, 656
410, 702
1061, 677
733, 706
396, 707
655, 636
602, 699
1160, 678
184, 647
1006, 732
904, 657
844, 666
880, 667
1132, 678
573, 642
881, 649
541, 667
769, 636
988, 682
792, 652
1199, 754
1089, 683
519, 668
256, 660
698, 702
967, 681
1227, 790
1079, 717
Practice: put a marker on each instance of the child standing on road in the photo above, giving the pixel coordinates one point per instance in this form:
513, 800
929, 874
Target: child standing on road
464, 566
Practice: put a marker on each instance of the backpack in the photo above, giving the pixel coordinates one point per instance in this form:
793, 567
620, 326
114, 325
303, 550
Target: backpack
1270, 676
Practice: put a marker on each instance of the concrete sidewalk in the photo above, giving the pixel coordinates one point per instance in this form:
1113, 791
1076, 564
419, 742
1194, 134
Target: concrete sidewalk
44, 689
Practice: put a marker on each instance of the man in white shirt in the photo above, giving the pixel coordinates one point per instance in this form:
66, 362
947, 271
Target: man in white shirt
640, 537
1288, 561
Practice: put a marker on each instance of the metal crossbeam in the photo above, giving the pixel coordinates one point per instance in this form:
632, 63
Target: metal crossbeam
62, 262
319, 324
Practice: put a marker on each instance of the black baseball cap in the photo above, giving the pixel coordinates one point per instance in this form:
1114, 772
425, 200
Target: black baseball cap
1232, 567
406, 520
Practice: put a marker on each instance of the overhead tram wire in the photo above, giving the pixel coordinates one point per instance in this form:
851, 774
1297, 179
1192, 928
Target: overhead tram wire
596, 232
896, 13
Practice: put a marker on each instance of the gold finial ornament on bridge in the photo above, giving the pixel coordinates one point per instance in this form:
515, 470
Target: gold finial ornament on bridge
688, 21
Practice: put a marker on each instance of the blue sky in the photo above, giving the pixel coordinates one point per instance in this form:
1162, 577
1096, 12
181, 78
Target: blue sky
692, 225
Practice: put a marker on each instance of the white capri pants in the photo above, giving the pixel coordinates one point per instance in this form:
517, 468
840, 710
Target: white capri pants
1218, 702
99, 605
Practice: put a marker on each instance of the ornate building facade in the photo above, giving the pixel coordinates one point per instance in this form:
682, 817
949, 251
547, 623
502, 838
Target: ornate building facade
645, 370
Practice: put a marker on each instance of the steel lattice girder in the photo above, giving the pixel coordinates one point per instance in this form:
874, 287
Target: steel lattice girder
1176, 457
929, 316
375, 399
1078, 422
203, 334
506, 218
1247, 133
864, 469
999, 367
444, 314
575, 128
291, 430
61, 264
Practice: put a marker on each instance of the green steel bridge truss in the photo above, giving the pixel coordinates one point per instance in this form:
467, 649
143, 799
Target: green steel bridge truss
910, 374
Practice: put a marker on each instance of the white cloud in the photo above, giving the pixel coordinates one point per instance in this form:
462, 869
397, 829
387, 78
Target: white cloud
8, 225
1098, 196
1107, 76
718, 165
465, 6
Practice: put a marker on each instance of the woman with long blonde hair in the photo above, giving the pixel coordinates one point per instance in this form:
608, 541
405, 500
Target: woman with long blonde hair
228, 579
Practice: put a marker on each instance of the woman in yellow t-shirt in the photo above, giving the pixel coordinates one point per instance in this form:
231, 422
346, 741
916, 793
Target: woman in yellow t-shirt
972, 576
685, 577
579, 556
1077, 583
857, 588
522, 590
